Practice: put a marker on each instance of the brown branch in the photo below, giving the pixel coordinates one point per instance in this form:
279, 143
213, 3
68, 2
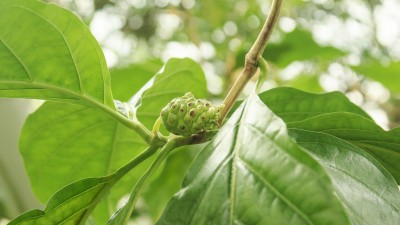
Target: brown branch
252, 58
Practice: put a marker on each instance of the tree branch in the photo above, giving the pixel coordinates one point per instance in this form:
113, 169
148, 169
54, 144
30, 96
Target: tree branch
252, 58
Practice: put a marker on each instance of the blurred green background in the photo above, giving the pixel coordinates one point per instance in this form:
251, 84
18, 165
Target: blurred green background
352, 46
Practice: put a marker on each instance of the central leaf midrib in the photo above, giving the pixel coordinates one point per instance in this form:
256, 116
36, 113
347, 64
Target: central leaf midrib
101, 187
211, 179
205, 190
77, 95
233, 172
291, 205
288, 202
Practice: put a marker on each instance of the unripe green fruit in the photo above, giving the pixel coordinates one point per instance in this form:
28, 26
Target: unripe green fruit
187, 116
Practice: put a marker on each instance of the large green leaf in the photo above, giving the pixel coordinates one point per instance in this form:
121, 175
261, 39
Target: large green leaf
68, 137
388, 75
327, 113
364, 133
299, 45
294, 105
177, 77
252, 173
368, 191
63, 143
46, 52
124, 142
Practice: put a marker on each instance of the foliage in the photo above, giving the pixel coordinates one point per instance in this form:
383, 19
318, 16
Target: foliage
283, 156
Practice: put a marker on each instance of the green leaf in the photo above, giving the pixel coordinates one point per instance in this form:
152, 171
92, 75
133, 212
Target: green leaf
369, 193
252, 173
51, 55
123, 144
135, 75
294, 105
74, 203
67, 138
299, 45
395, 131
59, 140
326, 113
388, 75
383, 145
178, 77
69, 205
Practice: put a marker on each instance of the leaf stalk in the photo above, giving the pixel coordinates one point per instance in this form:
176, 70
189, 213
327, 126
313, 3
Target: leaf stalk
122, 215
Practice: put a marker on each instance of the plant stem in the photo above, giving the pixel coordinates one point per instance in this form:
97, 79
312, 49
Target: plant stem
134, 124
136, 161
123, 215
116, 177
252, 58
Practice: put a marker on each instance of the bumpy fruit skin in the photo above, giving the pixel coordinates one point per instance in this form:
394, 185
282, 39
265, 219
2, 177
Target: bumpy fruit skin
187, 116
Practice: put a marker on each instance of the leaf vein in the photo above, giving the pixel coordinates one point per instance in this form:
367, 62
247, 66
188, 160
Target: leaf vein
65, 40
270, 186
19, 59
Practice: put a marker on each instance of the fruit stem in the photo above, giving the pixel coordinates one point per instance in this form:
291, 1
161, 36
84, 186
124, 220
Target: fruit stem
252, 58
156, 126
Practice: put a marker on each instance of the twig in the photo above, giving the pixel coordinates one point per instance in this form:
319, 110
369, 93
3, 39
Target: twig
252, 58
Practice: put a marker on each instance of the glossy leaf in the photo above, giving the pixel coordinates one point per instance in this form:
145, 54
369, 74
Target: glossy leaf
177, 77
362, 132
292, 105
369, 193
388, 75
325, 112
52, 55
252, 173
